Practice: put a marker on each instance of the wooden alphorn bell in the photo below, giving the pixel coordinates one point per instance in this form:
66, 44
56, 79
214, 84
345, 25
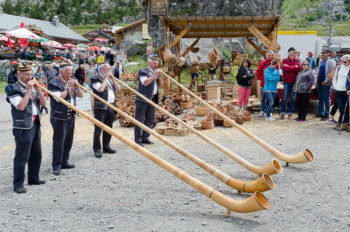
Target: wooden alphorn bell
254, 203
263, 183
301, 157
270, 168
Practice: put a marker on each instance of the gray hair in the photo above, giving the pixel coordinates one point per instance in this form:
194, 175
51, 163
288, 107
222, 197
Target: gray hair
63, 69
101, 66
270, 52
346, 57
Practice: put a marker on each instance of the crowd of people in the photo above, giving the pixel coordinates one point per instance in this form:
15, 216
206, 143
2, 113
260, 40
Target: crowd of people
327, 76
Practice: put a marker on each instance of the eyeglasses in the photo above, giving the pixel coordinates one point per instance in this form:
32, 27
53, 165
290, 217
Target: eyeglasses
27, 74
323, 53
306, 64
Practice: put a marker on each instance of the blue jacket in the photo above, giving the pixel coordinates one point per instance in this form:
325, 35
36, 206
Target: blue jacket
272, 77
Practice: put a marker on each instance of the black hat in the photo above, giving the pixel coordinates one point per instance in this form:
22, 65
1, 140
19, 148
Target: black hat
291, 49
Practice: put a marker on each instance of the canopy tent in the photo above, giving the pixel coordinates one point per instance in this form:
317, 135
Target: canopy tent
52, 43
101, 40
42, 39
82, 46
4, 38
94, 48
23, 34
69, 45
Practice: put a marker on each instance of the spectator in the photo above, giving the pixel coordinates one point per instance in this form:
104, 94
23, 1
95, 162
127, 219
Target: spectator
340, 79
334, 57
272, 77
303, 85
40, 74
12, 77
244, 79
90, 73
334, 109
80, 75
50, 73
310, 57
118, 69
299, 56
100, 59
194, 70
324, 84
260, 75
291, 68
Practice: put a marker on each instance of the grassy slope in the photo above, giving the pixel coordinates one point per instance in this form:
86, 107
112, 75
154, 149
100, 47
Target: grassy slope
2, 86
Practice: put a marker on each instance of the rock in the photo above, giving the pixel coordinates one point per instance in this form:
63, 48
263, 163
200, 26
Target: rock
204, 223
111, 227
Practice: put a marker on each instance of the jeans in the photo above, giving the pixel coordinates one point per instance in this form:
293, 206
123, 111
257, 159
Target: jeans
263, 101
288, 88
342, 99
323, 99
270, 96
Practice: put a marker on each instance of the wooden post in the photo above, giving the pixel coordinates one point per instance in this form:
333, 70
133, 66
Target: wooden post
261, 52
176, 40
190, 47
269, 44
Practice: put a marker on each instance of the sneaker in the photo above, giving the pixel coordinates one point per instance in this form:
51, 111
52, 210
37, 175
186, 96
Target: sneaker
324, 118
299, 120
289, 116
271, 118
282, 116
261, 114
331, 122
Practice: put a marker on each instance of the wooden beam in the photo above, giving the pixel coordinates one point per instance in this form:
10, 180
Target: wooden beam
184, 31
261, 52
220, 30
270, 22
219, 36
190, 47
269, 44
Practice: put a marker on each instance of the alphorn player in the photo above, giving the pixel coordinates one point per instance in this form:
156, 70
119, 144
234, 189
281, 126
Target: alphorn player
105, 86
150, 81
25, 98
62, 118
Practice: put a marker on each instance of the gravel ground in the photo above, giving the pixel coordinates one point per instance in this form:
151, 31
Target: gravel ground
127, 192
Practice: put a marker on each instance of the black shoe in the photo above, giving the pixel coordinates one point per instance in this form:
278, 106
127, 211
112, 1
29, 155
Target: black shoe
323, 118
146, 141
109, 150
98, 154
139, 143
20, 190
56, 172
318, 116
67, 166
36, 182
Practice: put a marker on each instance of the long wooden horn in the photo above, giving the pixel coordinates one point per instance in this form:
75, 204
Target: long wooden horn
254, 203
263, 183
301, 157
270, 168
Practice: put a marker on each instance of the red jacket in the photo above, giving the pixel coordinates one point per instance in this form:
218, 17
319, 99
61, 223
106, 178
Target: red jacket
290, 72
260, 71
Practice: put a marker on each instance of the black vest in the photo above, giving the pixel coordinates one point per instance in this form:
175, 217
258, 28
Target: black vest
21, 119
147, 91
58, 109
104, 94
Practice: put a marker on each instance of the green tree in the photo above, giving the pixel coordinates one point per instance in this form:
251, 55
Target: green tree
7, 7
62, 7
36, 12
18, 8
77, 16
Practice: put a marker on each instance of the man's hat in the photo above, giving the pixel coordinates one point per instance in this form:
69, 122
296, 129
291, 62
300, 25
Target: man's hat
64, 64
24, 66
291, 49
153, 56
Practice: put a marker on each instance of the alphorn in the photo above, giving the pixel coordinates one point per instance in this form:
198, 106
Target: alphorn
263, 183
270, 168
301, 157
255, 202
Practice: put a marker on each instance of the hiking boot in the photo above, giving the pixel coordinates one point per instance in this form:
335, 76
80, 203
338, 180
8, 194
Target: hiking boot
282, 117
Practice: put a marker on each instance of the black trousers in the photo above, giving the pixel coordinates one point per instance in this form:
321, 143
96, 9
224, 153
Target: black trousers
144, 113
342, 98
63, 133
28, 150
106, 117
303, 105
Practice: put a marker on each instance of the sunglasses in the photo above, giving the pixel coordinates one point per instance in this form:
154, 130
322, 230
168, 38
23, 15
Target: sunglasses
323, 53
306, 64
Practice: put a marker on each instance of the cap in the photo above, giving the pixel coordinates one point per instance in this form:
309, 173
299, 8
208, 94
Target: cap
291, 49
153, 56
24, 66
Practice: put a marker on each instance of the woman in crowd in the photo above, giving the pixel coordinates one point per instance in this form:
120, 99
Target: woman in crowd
90, 73
40, 74
302, 88
340, 79
244, 79
272, 77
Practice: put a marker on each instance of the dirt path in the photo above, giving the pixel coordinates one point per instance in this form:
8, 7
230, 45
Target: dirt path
127, 192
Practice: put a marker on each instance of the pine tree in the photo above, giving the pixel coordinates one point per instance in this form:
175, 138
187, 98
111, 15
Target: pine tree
7, 7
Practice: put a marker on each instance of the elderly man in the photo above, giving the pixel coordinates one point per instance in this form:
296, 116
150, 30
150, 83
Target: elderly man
25, 98
324, 84
62, 118
105, 86
291, 67
150, 81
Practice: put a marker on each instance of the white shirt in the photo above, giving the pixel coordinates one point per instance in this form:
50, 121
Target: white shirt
111, 95
16, 100
339, 83
143, 79
58, 93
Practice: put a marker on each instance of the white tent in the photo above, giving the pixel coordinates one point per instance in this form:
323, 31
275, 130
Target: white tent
22, 33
